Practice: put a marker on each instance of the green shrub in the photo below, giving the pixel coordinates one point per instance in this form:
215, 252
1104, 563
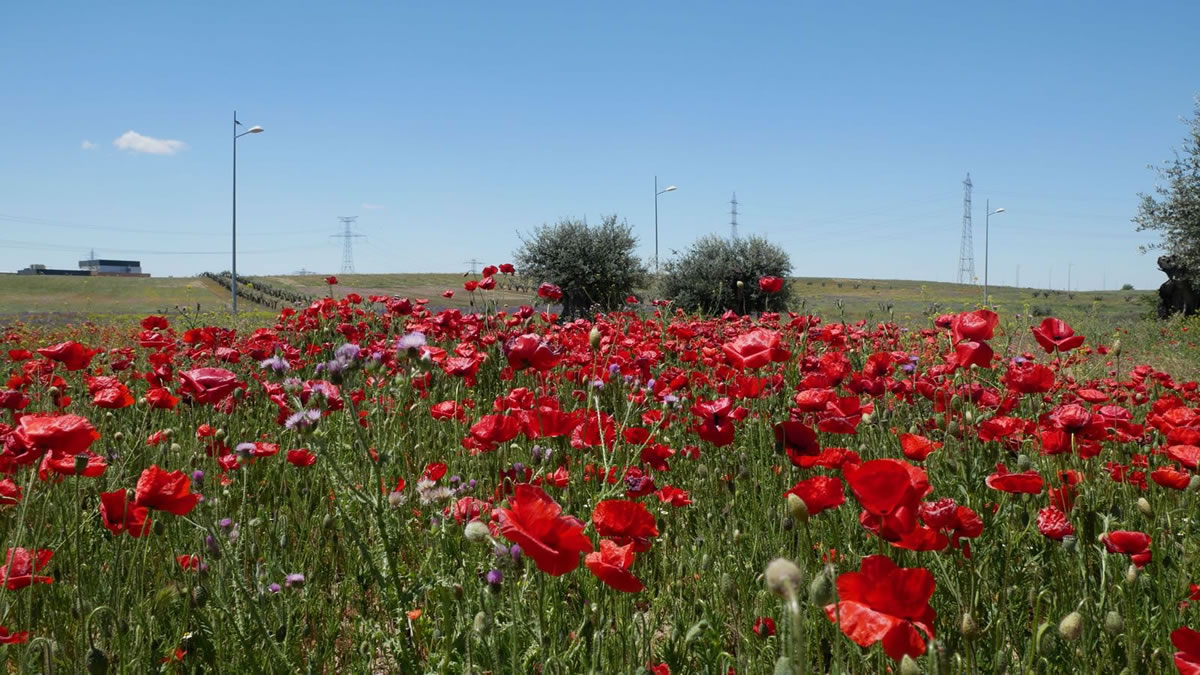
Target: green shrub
594, 266
706, 276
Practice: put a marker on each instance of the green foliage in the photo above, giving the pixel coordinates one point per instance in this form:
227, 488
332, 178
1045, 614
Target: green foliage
594, 266
1127, 287
706, 276
1174, 208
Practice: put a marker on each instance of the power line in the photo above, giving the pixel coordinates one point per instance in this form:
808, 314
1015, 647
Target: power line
43, 222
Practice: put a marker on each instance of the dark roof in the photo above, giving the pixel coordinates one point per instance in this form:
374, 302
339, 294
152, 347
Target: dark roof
113, 263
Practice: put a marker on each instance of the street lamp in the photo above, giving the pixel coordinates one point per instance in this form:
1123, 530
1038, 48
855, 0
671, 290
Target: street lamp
986, 229
657, 192
233, 272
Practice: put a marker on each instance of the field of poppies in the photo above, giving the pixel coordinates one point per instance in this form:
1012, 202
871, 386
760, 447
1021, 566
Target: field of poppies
370, 486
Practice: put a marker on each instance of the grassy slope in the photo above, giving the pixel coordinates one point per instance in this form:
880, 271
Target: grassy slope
22, 295
869, 299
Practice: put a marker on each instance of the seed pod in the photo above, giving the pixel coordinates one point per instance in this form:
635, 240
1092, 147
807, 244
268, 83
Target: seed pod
1113, 623
1071, 626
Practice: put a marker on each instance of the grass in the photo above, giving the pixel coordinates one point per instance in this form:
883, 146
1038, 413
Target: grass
22, 295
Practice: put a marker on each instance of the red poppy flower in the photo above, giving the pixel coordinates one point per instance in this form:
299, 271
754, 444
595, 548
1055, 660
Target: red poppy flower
120, 515
797, 440
71, 354
1056, 335
671, 495
161, 399
883, 602
169, 491
1136, 545
882, 486
68, 434
819, 493
331, 280
977, 326
625, 522
7, 637
531, 351
770, 284
507, 268
1028, 482
447, 294
1053, 523
63, 464
208, 385
549, 292
492, 430
1187, 455
13, 399
1166, 477
487, 283
611, 565
1187, 659
842, 415
752, 350
716, 422
535, 522
1029, 378
971, 353
917, 447
10, 492
764, 626
20, 565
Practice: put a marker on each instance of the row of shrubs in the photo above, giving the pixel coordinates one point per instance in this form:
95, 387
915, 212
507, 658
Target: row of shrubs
261, 292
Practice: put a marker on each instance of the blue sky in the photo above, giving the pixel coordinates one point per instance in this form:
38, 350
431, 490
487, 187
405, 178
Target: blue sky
845, 128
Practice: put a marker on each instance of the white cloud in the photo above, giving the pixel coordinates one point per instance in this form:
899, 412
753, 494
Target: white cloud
135, 142
87, 145
372, 207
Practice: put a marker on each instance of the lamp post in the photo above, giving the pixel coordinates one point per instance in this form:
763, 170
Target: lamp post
986, 230
233, 271
657, 192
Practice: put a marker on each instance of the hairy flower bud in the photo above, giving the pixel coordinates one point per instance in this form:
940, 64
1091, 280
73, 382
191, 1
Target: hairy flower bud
967, 625
1131, 574
797, 508
482, 623
908, 666
1144, 506
1071, 626
594, 337
822, 591
783, 577
476, 531
1116, 347
1113, 623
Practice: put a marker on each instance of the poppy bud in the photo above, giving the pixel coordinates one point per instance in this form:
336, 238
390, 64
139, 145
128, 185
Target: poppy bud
967, 626
783, 666
119, 436
969, 417
476, 532
1144, 507
81, 462
594, 337
868, 418
741, 284
199, 596
1116, 347
908, 666
822, 591
54, 392
220, 435
239, 393
482, 623
97, 662
1113, 623
783, 577
159, 528
458, 591
1044, 643
1071, 627
1194, 484
1131, 574
176, 448
1023, 462
726, 584
797, 508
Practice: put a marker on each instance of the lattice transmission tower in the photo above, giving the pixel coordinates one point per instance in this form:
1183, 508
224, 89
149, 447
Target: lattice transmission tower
733, 217
966, 248
347, 236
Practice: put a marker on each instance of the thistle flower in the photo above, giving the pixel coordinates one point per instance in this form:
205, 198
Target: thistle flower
303, 420
783, 577
411, 341
294, 580
347, 352
276, 364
